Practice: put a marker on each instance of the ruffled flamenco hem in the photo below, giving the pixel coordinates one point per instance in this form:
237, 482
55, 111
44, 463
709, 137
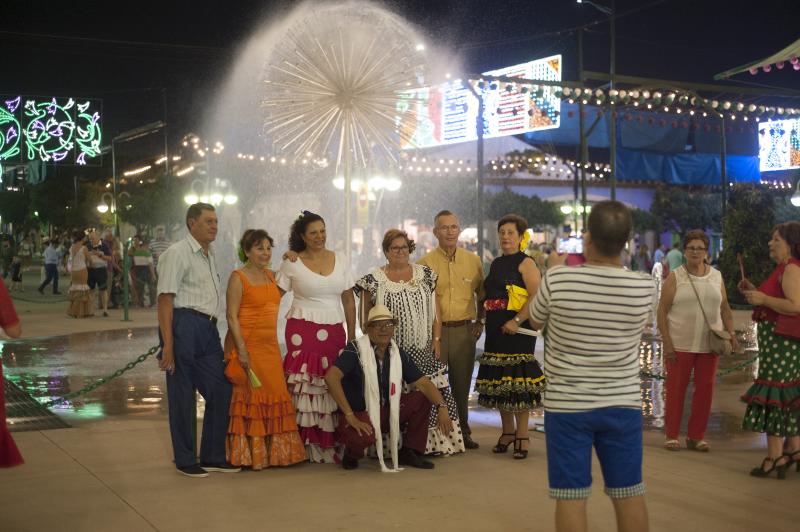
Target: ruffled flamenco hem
262, 431
512, 394
9, 454
772, 408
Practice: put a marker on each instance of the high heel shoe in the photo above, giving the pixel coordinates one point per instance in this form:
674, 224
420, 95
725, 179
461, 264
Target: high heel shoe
519, 452
502, 447
780, 470
794, 458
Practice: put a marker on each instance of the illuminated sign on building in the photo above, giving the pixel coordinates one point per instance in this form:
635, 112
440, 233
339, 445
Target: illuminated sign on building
447, 113
53, 130
779, 144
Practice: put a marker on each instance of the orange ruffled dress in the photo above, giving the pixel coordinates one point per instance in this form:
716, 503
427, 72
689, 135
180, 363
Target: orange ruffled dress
262, 430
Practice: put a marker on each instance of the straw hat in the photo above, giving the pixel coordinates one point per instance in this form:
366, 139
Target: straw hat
379, 312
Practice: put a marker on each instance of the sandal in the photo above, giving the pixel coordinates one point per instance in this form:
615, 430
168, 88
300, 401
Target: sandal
780, 470
697, 445
519, 452
672, 445
794, 458
502, 447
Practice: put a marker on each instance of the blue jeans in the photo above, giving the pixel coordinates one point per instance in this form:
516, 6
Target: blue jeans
198, 364
51, 273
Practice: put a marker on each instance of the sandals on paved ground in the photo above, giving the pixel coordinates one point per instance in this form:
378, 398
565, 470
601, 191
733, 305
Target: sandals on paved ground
502, 447
519, 452
780, 470
672, 445
697, 445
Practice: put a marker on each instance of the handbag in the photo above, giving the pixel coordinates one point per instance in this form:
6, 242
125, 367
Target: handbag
719, 340
517, 297
788, 326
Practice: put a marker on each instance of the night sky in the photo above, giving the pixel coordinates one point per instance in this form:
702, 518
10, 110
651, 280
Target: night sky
126, 52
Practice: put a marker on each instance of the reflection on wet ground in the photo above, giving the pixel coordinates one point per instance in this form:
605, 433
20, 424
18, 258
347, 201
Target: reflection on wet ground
49, 368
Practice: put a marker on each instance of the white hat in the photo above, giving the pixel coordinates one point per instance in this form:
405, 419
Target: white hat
379, 312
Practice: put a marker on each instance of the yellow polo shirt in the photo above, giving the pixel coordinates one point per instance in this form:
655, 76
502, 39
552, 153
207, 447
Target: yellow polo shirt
460, 282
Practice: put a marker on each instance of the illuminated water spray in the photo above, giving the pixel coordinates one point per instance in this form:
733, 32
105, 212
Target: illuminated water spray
333, 82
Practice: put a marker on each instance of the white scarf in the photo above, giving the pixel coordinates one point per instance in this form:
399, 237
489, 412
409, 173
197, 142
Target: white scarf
372, 396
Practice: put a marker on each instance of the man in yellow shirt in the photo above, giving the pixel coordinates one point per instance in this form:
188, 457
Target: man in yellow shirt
459, 290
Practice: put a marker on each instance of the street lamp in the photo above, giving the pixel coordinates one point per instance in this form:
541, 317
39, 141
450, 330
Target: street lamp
612, 130
106, 203
796, 196
214, 197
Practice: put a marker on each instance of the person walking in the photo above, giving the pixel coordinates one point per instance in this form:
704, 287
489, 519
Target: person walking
692, 298
459, 289
52, 256
191, 351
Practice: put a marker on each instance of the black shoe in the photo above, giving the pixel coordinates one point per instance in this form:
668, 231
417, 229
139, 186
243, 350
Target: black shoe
194, 471
469, 443
412, 458
41, 290
220, 468
105, 314
349, 463
56, 293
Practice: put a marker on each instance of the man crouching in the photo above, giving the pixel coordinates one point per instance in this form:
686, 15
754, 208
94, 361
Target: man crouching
366, 382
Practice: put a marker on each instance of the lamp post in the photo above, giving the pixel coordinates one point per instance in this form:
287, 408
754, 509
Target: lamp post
796, 196
612, 132
106, 203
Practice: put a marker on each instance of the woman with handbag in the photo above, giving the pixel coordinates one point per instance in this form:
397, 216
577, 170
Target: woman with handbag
691, 314
773, 401
262, 431
509, 377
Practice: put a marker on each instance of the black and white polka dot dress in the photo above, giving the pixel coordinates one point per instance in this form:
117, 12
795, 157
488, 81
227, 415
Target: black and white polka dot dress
413, 303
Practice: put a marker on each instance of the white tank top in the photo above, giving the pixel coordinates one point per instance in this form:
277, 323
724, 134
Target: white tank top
687, 327
77, 260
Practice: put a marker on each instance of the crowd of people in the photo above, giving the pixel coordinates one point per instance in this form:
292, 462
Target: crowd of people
399, 389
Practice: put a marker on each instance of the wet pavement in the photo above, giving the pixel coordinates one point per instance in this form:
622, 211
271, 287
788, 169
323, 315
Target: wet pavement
50, 368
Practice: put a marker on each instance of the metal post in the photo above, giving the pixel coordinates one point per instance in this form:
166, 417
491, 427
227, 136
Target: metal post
722, 166
114, 185
481, 177
613, 125
126, 277
166, 144
582, 130
348, 205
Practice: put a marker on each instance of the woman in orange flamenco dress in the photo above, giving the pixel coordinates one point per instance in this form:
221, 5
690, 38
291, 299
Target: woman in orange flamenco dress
262, 431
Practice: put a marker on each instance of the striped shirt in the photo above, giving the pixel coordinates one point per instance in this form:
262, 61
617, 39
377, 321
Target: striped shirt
184, 270
158, 247
594, 317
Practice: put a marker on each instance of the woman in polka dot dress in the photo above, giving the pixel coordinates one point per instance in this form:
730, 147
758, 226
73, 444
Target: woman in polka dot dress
409, 291
323, 302
773, 401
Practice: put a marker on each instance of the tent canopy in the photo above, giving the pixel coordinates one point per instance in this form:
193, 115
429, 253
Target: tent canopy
793, 50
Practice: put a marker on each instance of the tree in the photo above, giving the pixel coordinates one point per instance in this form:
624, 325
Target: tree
538, 212
748, 226
15, 207
679, 209
151, 204
645, 221
54, 201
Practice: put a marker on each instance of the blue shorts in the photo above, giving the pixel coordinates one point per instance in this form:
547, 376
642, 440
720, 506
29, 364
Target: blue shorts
615, 434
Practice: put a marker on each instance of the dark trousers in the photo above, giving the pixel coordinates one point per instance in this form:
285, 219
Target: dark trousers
141, 281
198, 364
51, 272
415, 410
458, 352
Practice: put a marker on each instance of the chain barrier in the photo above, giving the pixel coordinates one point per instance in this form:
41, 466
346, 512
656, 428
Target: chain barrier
99, 382
15, 297
721, 373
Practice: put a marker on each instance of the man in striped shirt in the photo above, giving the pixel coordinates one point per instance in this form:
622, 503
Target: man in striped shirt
594, 315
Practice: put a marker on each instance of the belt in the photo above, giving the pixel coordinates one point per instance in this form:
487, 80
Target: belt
212, 319
458, 323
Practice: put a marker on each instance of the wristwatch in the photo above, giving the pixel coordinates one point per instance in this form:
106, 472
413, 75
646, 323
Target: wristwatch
482, 321
516, 319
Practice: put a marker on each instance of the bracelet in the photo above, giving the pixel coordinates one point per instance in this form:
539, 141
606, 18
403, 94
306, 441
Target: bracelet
347, 414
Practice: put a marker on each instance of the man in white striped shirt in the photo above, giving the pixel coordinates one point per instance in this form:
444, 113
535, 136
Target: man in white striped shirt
594, 316
191, 351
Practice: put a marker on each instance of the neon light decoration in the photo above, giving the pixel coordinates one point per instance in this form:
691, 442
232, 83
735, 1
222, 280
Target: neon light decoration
779, 144
53, 130
447, 113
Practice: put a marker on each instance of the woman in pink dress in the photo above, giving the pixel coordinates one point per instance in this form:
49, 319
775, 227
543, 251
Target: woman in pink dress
322, 285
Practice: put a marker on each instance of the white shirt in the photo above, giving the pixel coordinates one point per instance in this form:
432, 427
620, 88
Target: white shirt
184, 270
317, 298
687, 327
594, 318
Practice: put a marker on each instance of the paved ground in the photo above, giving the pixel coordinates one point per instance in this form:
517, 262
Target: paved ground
112, 470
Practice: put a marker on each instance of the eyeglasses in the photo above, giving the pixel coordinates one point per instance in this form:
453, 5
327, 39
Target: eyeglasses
398, 249
693, 249
449, 228
383, 325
